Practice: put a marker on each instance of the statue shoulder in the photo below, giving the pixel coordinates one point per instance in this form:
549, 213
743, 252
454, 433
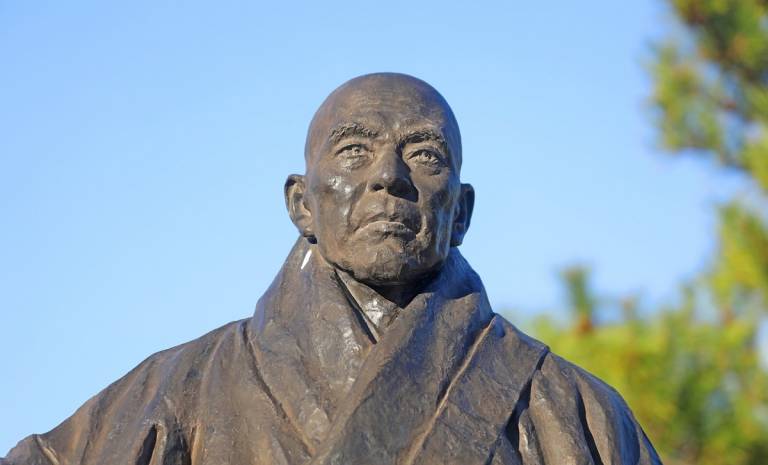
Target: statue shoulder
572, 405
163, 385
554, 369
566, 412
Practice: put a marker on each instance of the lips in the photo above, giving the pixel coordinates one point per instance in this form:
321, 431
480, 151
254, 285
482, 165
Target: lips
392, 219
388, 226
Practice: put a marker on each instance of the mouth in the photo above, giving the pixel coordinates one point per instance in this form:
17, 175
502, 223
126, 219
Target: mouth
387, 228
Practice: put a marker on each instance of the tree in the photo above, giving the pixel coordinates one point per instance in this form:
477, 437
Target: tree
711, 98
696, 386
691, 371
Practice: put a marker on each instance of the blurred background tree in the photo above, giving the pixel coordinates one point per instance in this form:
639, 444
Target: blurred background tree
692, 371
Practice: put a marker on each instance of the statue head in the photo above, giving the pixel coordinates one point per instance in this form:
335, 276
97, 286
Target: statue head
381, 196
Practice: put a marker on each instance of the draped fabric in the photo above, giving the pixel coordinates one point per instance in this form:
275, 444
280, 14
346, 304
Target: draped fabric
306, 382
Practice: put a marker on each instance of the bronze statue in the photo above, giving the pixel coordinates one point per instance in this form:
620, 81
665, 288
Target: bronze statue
375, 344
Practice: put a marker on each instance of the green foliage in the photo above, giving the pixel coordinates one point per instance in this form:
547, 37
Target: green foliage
739, 278
691, 372
579, 297
696, 386
712, 82
711, 98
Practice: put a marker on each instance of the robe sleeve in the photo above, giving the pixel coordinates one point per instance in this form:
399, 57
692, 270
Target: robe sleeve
30, 451
64, 444
150, 415
115, 426
574, 418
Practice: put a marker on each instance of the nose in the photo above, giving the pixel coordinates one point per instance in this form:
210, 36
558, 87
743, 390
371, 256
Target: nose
391, 174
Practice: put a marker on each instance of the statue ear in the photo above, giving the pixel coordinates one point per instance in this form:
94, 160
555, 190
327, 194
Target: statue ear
297, 209
463, 214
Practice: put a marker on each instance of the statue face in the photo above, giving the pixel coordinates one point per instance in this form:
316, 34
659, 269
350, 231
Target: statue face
382, 196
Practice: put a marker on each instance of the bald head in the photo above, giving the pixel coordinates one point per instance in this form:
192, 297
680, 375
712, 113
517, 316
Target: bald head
381, 197
368, 105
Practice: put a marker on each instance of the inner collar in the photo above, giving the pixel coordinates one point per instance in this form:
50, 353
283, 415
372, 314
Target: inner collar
377, 312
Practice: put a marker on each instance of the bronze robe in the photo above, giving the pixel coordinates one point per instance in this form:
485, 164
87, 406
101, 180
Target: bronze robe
305, 382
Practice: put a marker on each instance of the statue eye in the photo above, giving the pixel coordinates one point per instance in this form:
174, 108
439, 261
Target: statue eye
428, 158
353, 155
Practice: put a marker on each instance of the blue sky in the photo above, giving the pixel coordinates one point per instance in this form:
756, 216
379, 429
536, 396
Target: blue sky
145, 144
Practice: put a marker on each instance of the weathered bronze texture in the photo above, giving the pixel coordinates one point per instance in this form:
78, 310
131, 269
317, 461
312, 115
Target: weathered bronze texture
375, 344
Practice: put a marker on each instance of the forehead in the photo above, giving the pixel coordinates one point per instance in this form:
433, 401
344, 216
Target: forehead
386, 107
390, 110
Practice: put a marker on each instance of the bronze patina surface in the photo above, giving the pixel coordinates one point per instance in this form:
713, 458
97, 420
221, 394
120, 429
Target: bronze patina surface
375, 344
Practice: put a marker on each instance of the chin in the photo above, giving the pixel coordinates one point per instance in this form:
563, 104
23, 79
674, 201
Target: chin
387, 263
379, 264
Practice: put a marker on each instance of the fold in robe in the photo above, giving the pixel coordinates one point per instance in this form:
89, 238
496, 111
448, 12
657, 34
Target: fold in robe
304, 382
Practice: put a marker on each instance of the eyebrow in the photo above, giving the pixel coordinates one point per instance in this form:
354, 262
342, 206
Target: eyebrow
423, 135
350, 129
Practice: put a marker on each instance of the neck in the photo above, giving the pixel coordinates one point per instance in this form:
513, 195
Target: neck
401, 294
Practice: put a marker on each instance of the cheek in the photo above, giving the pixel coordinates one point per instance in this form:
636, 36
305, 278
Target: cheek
436, 201
338, 194
333, 198
437, 197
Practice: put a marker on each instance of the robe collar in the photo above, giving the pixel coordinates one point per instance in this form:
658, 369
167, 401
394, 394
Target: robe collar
350, 398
